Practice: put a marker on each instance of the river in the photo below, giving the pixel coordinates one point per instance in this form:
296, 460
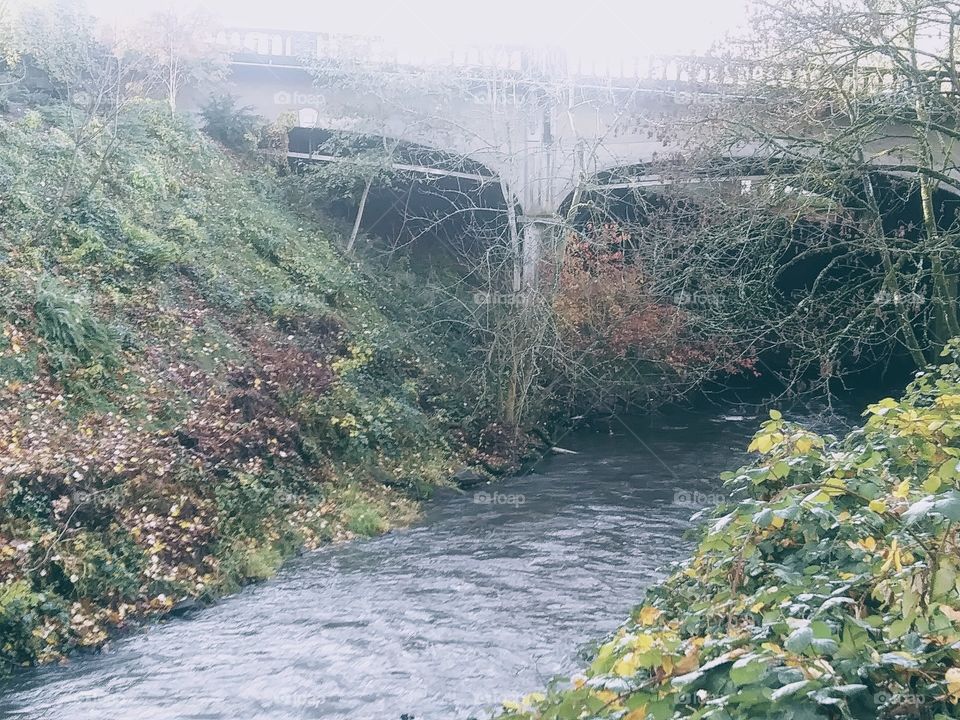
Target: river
486, 599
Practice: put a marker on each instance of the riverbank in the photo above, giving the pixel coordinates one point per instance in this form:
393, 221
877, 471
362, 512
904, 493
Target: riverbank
194, 384
827, 587
389, 625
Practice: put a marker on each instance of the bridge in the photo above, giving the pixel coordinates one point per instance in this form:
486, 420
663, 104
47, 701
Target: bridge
543, 124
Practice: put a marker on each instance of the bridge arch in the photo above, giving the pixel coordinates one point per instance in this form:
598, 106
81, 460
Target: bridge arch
423, 200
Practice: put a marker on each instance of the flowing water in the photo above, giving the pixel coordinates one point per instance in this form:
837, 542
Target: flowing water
493, 594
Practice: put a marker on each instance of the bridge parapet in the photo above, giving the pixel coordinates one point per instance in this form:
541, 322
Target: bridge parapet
285, 47
250, 46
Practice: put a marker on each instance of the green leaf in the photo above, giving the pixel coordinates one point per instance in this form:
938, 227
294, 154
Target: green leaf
824, 646
899, 660
946, 505
799, 640
789, 690
945, 579
746, 671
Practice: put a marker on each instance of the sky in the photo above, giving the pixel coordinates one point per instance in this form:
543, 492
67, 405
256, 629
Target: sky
593, 27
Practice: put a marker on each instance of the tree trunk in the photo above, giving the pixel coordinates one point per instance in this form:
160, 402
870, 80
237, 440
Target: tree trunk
356, 224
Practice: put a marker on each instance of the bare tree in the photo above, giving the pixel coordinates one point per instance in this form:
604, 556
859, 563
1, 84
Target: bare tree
179, 51
842, 238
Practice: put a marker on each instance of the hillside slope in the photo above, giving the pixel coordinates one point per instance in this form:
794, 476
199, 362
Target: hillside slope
193, 383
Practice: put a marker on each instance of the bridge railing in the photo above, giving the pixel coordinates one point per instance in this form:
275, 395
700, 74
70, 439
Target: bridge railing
298, 47
293, 47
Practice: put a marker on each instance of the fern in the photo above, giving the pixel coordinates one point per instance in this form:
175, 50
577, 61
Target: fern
69, 327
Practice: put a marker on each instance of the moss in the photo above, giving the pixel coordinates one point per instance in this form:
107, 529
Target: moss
363, 519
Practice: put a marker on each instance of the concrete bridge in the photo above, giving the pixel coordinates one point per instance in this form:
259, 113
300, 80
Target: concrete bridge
541, 123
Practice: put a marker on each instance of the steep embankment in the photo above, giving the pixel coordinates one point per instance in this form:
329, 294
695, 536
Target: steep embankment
193, 383
829, 589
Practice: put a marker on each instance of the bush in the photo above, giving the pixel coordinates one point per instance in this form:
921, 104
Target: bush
98, 567
248, 560
24, 638
235, 127
73, 334
829, 590
363, 519
152, 253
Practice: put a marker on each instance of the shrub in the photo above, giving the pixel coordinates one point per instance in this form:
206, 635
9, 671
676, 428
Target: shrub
99, 567
74, 336
24, 636
249, 560
151, 252
235, 127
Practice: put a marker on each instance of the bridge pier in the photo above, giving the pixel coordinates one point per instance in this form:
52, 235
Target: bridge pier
539, 238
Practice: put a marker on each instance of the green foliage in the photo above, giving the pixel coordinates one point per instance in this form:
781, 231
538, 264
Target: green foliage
152, 253
98, 565
74, 335
235, 127
245, 503
830, 588
364, 519
248, 560
24, 636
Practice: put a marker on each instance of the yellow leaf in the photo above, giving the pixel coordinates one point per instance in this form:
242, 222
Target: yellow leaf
777, 522
649, 615
869, 544
639, 713
903, 489
608, 696
804, 444
893, 558
952, 679
932, 483
764, 443
642, 642
689, 662
878, 506
756, 607
834, 486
